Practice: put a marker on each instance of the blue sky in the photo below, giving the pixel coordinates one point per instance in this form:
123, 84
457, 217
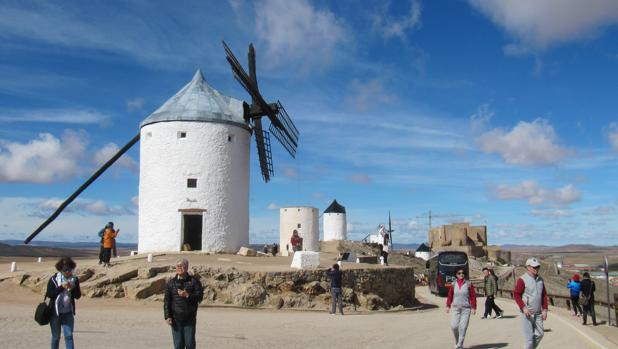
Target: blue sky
493, 112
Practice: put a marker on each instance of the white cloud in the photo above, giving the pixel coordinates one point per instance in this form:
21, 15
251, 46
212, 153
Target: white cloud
367, 95
612, 136
360, 178
135, 200
272, 206
83, 207
79, 222
290, 173
43, 160
390, 26
551, 213
604, 211
135, 104
481, 119
67, 116
537, 25
296, 33
526, 144
108, 151
413, 225
536, 195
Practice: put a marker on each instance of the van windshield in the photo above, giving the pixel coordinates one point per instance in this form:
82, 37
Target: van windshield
453, 259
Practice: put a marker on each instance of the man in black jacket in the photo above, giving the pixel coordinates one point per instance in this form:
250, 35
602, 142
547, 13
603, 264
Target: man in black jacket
587, 288
335, 288
183, 294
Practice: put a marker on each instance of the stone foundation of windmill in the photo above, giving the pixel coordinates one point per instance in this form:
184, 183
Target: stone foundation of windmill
231, 280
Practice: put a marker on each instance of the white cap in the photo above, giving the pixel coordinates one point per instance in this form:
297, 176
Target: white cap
533, 262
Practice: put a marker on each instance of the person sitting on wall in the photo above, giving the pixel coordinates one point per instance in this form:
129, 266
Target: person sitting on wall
296, 241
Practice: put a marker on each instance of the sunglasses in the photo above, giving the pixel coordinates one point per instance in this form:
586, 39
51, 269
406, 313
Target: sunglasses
67, 270
461, 273
537, 268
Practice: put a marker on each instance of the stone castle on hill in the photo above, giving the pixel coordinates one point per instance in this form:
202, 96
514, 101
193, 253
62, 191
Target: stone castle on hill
466, 238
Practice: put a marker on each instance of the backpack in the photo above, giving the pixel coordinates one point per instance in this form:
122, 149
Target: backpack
43, 312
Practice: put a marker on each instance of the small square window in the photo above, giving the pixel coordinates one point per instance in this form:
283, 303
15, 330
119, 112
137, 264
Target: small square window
298, 225
191, 182
230, 138
182, 134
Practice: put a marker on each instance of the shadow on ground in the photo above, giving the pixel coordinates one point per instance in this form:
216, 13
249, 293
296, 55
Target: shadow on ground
489, 346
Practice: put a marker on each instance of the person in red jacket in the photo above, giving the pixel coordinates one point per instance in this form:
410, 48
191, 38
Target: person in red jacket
531, 298
462, 298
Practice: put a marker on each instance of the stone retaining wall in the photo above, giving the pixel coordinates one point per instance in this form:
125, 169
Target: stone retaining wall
363, 289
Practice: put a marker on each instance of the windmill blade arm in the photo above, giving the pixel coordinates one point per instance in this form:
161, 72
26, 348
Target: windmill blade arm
286, 133
83, 187
262, 142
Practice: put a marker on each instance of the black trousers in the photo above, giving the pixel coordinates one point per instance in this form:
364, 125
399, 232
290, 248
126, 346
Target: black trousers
107, 254
589, 309
101, 253
576, 306
490, 305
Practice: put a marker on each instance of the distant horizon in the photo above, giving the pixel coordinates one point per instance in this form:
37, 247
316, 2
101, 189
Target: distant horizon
53, 243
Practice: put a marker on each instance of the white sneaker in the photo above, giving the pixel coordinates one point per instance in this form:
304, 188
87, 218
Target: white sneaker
500, 315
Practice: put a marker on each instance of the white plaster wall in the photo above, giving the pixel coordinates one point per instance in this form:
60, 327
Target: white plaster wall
222, 193
423, 255
307, 217
335, 226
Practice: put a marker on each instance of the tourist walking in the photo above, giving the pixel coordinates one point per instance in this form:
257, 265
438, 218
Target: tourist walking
531, 298
63, 289
335, 288
490, 286
573, 286
462, 299
109, 241
183, 294
586, 289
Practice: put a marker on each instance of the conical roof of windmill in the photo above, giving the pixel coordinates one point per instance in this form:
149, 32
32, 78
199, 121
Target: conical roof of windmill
198, 101
335, 208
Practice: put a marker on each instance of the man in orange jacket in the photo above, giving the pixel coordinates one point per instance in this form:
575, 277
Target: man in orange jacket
109, 241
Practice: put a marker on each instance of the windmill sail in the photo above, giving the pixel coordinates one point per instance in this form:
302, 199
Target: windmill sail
288, 134
262, 141
281, 124
83, 187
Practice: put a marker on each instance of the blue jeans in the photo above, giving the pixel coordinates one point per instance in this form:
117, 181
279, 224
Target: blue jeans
183, 334
66, 322
337, 299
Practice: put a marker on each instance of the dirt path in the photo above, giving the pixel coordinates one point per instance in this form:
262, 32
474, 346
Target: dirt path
104, 323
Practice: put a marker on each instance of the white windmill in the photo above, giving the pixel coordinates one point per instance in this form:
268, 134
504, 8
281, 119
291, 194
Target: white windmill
194, 165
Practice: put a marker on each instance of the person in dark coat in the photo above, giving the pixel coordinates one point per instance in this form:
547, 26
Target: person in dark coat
335, 288
63, 289
183, 294
587, 288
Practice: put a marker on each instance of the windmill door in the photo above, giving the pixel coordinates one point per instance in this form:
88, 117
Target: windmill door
192, 231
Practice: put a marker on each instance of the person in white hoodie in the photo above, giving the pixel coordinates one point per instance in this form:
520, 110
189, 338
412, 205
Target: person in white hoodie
62, 290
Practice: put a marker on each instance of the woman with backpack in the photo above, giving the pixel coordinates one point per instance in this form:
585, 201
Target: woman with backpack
63, 289
586, 298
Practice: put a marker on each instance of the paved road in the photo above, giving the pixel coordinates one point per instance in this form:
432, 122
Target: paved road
126, 324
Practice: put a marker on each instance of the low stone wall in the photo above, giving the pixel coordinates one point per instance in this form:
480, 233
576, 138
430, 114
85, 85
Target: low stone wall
363, 289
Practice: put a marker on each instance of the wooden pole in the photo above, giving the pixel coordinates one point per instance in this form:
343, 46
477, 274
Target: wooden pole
609, 311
